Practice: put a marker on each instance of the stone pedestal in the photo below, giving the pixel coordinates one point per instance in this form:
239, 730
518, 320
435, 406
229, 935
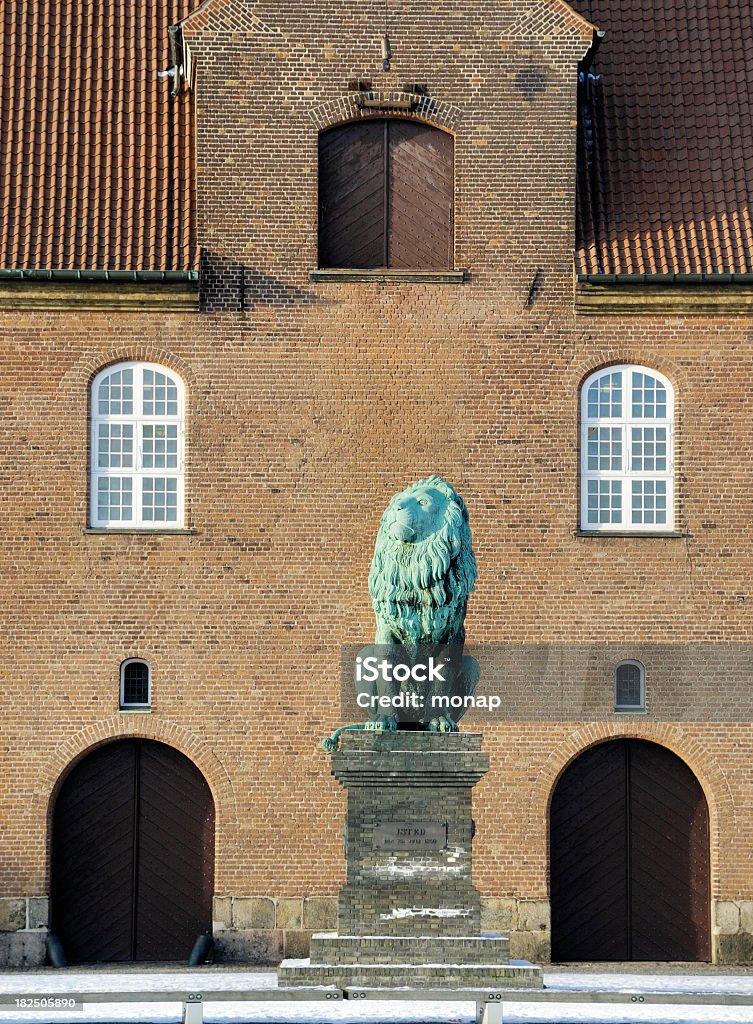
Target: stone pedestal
408, 913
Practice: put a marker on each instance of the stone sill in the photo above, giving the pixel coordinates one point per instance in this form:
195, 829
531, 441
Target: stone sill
631, 711
105, 296
644, 299
133, 531
385, 276
655, 534
135, 711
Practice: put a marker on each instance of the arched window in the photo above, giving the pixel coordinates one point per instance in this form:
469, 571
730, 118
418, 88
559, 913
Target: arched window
135, 684
137, 447
629, 686
386, 196
627, 438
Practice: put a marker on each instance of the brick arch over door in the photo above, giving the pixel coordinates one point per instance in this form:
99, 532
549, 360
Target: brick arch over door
132, 855
629, 857
386, 188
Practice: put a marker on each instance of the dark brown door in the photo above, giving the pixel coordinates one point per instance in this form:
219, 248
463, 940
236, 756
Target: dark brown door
386, 195
132, 855
629, 857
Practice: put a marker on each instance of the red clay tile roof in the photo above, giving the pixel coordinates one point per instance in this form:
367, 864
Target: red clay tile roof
97, 156
666, 146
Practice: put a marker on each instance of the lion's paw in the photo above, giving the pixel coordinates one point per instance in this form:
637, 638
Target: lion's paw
382, 724
442, 724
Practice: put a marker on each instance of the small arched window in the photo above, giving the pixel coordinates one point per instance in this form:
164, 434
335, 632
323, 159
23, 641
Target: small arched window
629, 686
137, 447
386, 196
135, 684
627, 436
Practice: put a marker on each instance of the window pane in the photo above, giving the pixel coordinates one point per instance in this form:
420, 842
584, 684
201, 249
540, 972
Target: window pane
605, 396
160, 394
605, 448
115, 396
160, 499
115, 446
628, 687
115, 499
160, 446
649, 502
136, 683
649, 397
604, 502
649, 450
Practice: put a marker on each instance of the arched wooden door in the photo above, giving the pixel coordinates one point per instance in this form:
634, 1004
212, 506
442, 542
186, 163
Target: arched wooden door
132, 855
629, 857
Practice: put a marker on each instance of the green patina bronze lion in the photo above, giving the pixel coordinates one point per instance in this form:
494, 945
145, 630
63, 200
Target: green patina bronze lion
421, 575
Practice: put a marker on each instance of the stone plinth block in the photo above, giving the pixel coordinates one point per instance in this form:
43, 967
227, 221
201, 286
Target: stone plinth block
294, 973
408, 833
405, 949
408, 914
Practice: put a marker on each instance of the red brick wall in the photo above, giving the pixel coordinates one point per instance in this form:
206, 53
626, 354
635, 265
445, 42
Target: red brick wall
307, 409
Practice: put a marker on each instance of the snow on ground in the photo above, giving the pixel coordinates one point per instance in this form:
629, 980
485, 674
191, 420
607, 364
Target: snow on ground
370, 1011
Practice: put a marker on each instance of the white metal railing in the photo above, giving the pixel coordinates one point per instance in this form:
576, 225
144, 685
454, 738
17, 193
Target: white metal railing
489, 1003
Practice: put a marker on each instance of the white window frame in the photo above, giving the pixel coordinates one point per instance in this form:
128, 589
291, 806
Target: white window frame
126, 663
137, 473
642, 671
622, 427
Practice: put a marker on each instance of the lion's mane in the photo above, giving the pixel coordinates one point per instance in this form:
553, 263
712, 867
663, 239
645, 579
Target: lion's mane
419, 590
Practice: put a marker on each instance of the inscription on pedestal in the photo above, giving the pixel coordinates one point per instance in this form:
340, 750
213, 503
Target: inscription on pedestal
410, 835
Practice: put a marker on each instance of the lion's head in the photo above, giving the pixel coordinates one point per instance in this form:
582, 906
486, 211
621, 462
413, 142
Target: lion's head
424, 567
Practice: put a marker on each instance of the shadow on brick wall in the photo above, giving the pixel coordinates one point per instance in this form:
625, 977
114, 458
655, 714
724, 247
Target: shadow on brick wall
229, 287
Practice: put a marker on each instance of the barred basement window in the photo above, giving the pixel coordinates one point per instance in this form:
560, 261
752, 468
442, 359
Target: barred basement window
135, 684
627, 440
137, 447
629, 687
386, 196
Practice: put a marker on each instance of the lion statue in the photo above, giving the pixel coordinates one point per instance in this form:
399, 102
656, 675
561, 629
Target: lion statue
421, 575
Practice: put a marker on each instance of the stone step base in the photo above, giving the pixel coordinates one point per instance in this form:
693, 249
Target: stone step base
402, 949
293, 973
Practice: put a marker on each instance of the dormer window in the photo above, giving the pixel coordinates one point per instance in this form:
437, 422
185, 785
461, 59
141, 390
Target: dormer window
386, 196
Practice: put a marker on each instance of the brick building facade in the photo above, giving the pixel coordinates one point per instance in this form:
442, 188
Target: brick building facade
180, 235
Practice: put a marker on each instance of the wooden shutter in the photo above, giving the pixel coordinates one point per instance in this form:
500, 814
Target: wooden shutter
352, 184
629, 857
420, 196
386, 196
132, 855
